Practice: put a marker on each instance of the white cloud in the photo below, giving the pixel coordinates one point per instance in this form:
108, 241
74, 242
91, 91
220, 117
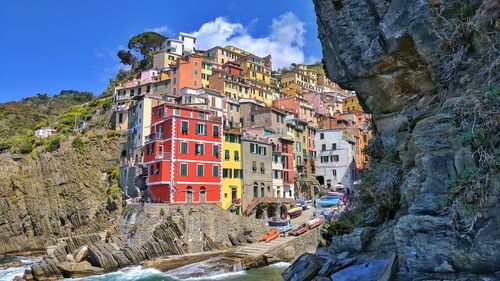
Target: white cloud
285, 42
161, 29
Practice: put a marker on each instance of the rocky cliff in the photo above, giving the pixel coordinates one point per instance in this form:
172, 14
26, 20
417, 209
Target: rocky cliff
428, 72
44, 196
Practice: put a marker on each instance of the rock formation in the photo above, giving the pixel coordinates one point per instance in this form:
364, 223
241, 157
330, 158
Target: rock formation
44, 196
427, 71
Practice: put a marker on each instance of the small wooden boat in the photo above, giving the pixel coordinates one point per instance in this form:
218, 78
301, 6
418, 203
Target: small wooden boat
304, 207
328, 202
273, 234
277, 222
300, 229
295, 212
315, 223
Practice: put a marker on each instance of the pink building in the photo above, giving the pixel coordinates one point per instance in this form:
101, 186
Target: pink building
316, 101
299, 106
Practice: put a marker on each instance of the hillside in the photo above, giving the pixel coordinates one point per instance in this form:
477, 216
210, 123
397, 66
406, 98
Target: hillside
27, 114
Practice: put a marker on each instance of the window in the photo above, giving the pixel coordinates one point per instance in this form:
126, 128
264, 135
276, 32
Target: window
195, 72
157, 170
321, 136
148, 88
215, 150
184, 127
177, 111
253, 148
184, 147
334, 173
324, 159
254, 166
201, 114
227, 155
174, 81
323, 147
199, 170
184, 169
216, 131
334, 158
195, 83
120, 118
262, 168
238, 173
215, 170
262, 150
199, 149
334, 146
201, 129
252, 118
159, 111
236, 155
225, 173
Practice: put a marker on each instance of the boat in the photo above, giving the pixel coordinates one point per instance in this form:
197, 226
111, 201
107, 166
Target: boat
295, 212
277, 222
300, 229
286, 228
273, 234
315, 223
331, 216
304, 207
327, 202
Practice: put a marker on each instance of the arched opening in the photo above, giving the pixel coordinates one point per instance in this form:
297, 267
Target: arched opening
283, 211
278, 192
328, 183
203, 195
259, 213
189, 194
255, 190
124, 153
262, 190
321, 180
271, 211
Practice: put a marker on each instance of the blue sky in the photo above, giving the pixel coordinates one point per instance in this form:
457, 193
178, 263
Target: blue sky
50, 45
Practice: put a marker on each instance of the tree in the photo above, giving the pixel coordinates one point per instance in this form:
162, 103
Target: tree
126, 57
146, 43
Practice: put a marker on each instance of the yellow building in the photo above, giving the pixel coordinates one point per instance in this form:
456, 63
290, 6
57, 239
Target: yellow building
206, 72
351, 103
255, 68
232, 171
162, 60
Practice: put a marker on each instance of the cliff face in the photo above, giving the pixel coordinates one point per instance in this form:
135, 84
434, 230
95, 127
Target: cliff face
43, 194
427, 71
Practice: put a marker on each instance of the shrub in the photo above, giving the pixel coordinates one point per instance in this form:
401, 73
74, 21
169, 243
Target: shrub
112, 133
51, 143
4, 144
22, 144
77, 143
162, 212
345, 224
114, 189
114, 174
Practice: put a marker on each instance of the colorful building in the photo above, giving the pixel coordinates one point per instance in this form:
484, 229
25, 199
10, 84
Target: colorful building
187, 73
232, 171
257, 170
183, 44
336, 158
164, 60
351, 103
183, 155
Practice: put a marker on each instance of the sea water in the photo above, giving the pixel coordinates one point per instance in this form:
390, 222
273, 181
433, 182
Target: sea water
212, 269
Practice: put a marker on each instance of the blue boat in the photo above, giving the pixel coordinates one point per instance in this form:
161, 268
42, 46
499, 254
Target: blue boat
286, 228
327, 202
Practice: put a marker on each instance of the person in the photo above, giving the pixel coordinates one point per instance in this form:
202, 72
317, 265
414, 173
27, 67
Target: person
129, 238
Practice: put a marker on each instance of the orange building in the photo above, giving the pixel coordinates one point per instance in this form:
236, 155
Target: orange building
186, 74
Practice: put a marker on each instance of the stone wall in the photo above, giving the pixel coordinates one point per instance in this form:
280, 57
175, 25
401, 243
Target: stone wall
305, 243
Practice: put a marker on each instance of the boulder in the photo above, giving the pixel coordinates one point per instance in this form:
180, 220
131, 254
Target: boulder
365, 271
70, 258
355, 241
327, 267
81, 253
78, 270
305, 268
388, 273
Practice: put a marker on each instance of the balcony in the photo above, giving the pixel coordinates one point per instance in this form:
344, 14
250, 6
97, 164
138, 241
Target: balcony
153, 136
164, 155
120, 107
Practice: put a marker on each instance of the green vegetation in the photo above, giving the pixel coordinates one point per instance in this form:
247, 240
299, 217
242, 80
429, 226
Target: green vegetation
469, 190
77, 143
162, 212
114, 189
344, 224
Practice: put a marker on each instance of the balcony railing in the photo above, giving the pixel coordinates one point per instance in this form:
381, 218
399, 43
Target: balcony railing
164, 155
120, 107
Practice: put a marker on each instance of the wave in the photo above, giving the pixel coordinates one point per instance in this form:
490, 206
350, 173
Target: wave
9, 273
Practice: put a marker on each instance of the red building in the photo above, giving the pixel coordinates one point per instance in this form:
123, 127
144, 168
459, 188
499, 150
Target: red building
186, 74
183, 154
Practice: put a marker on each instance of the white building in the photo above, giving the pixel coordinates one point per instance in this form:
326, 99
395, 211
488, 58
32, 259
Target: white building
184, 44
45, 132
213, 100
335, 158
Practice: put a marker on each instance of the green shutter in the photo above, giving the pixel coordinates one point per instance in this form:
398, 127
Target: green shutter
200, 170
184, 171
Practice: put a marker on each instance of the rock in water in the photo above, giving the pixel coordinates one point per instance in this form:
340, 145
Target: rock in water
78, 270
305, 268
